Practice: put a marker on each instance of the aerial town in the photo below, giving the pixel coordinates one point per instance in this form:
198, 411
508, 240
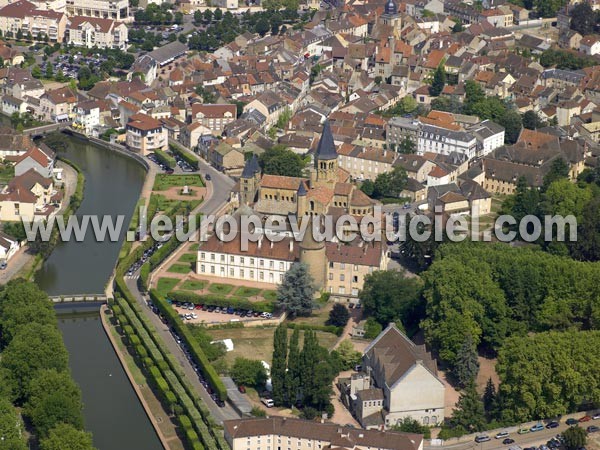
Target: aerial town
452, 305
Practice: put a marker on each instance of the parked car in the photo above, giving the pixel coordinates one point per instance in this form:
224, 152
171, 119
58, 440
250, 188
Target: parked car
524, 431
538, 427
207, 177
501, 435
269, 403
596, 416
508, 441
585, 419
571, 421
592, 429
482, 438
242, 389
553, 424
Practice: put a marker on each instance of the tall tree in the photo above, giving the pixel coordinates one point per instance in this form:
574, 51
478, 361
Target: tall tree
583, 18
12, 429
338, 316
439, 81
469, 413
467, 364
575, 438
390, 184
279, 160
490, 399
532, 121
294, 369
278, 365
296, 292
389, 295
558, 169
67, 437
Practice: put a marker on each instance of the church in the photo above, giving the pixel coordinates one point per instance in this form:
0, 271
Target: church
336, 267
326, 191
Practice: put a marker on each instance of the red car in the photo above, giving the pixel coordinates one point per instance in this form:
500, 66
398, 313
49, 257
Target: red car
242, 389
585, 419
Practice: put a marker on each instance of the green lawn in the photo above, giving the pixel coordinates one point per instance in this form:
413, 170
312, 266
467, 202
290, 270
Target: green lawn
218, 288
188, 258
166, 285
7, 173
165, 181
193, 285
270, 295
247, 291
194, 247
180, 268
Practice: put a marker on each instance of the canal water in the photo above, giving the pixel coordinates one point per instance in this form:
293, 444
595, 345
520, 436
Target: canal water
112, 411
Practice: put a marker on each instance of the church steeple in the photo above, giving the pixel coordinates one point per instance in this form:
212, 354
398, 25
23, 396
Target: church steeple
326, 158
391, 8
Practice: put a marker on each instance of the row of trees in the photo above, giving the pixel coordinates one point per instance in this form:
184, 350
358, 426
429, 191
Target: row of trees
35, 375
157, 15
303, 376
566, 59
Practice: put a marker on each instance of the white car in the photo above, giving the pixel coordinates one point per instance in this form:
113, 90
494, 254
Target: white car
194, 316
596, 416
502, 435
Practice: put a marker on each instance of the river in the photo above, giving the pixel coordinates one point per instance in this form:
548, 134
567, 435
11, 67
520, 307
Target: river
112, 412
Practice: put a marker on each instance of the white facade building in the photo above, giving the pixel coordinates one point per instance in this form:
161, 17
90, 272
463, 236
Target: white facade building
107, 9
433, 139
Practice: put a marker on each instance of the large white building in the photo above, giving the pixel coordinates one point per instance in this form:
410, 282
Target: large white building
432, 139
144, 134
489, 135
107, 9
281, 433
96, 32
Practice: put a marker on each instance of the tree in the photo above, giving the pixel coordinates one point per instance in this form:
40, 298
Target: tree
469, 413
349, 357
67, 437
279, 160
49, 71
439, 81
36, 72
249, 372
490, 399
587, 246
407, 146
511, 121
19, 35
262, 26
294, 369
410, 425
218, 14
372, 328
532, 121
296, 292
11, 425
467, 364
389, 295
368, 187
390, 184
182, 38
575, 438
458, 27
278, 365
34, 347
54, 398
583, 18
338, 316
558, 169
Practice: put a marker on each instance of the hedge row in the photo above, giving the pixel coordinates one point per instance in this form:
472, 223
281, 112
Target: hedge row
325, 328
144, 276
220, 301
192, 160
197, 353
167, 160
171, 391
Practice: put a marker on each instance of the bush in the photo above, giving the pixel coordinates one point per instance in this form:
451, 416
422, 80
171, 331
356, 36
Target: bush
167, 160
220, 301
338, 316
325, 328
190, 159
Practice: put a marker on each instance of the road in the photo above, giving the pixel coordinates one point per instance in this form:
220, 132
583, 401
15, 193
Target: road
522, 440
221, 188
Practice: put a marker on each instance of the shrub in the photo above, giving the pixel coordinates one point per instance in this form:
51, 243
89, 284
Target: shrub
167, 160
220, 301
188, 158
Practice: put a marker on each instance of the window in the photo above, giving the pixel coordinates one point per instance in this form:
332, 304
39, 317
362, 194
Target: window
331, 265
231, 259
331, 276
241, 260
280, 266
242, 273
342, 265
212, 256
262, 263
354, 292
342, 277
271, 264
251, 261
231, 272
212, 269
355, 279
261, 275
252, 274
202, 268
355, 268
342, 290
202, 255
222, 258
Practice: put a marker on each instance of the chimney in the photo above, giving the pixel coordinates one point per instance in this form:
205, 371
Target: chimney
291, 245
260, 239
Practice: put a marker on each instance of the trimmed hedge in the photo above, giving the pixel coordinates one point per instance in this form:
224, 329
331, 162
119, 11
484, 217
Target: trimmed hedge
325, 328
144, 276
188, 158
197, 353
220, 300
167, 160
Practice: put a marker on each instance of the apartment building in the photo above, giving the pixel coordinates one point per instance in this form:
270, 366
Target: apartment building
365, 163
443, 141
214, 116
87, 116
106, 9
58, 105
26, 17
28, 196
400, 128
281, 433
96, 32
145, 134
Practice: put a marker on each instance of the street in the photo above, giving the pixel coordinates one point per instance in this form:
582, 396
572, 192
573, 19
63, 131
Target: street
221, 187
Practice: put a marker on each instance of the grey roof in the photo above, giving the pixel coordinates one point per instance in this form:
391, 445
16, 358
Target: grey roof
168, 53
326, 149
251, 168
301, 190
